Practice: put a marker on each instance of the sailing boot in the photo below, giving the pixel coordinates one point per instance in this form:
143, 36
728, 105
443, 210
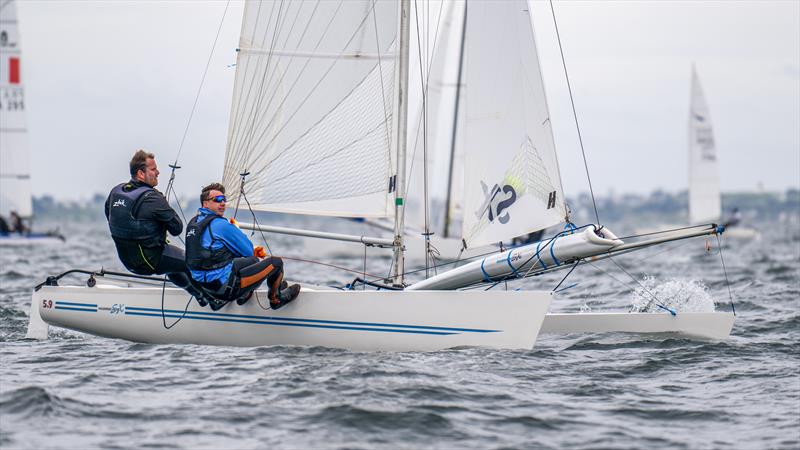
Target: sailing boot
216, 305
242, 300
285, 295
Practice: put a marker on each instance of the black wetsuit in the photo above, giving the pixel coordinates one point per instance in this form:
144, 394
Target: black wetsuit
147, 252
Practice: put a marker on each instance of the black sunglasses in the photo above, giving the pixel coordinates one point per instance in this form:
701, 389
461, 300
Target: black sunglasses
217, 199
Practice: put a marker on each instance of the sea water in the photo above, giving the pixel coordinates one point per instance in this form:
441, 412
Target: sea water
575, 391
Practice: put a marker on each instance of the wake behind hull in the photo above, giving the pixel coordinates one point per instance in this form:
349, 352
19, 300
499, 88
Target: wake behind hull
353, 320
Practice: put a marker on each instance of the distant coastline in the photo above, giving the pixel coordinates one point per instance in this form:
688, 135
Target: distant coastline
661, 205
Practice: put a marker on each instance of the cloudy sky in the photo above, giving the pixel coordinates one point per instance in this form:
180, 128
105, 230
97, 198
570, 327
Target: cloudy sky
104, 78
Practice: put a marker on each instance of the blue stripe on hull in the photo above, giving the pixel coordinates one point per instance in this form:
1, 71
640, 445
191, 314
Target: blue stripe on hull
204, 314
303, 325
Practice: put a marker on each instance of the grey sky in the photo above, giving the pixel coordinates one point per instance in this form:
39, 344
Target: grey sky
104, 78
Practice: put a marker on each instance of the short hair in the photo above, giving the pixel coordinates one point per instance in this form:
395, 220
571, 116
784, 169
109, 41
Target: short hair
209, 188
139, 161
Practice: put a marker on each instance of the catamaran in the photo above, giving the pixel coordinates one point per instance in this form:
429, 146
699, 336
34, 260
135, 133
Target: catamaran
15, 178
319, 125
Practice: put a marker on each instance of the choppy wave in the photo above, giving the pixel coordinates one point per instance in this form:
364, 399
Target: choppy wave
595, 391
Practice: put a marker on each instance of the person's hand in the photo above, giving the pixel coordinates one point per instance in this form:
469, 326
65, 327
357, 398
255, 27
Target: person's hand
234, 222
259, 252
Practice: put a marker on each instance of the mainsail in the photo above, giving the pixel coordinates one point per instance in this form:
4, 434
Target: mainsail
704, 194
313, 112
15, 180
512, 182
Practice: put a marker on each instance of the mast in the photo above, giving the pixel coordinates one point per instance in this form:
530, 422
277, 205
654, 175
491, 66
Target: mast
398, 267
447, 217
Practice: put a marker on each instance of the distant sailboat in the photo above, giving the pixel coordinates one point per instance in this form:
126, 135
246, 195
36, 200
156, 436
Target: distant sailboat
704, 192
705, 199
15, 178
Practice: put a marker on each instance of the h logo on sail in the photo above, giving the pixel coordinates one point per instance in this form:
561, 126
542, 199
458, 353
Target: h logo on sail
551, 200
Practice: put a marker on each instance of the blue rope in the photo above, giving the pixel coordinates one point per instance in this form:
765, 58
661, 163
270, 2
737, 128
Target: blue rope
536, 255
486, 276
568, 287
508, 260
552, 251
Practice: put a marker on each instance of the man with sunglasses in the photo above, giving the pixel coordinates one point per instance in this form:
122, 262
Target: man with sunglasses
139, 218
223, 260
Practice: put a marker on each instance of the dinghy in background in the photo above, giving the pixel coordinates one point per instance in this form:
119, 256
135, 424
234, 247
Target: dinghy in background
15, 173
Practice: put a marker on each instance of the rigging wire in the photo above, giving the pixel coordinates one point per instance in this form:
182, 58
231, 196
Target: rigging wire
253, 213
725, 271
170, 190
555, 289
386, 113
199, 89
174, 166
262, 86
253, 113
574, 113
425, 69
334, 266
424, 90
311, 91
302, 70
653, 297
627, 286
236, 116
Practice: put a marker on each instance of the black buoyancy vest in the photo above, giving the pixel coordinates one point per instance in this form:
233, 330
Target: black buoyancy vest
199, 257
122, 221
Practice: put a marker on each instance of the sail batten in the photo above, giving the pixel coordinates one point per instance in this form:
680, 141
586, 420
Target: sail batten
261, 51
313, 114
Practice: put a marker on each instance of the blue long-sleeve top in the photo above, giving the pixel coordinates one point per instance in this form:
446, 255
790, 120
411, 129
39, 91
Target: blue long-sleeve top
225, 234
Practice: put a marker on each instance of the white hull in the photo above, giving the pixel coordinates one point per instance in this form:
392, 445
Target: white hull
716, 325
354, 320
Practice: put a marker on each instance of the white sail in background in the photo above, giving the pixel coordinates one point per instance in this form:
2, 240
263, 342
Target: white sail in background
313, 113
512, 182
704, 193
15, 180
435, 46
